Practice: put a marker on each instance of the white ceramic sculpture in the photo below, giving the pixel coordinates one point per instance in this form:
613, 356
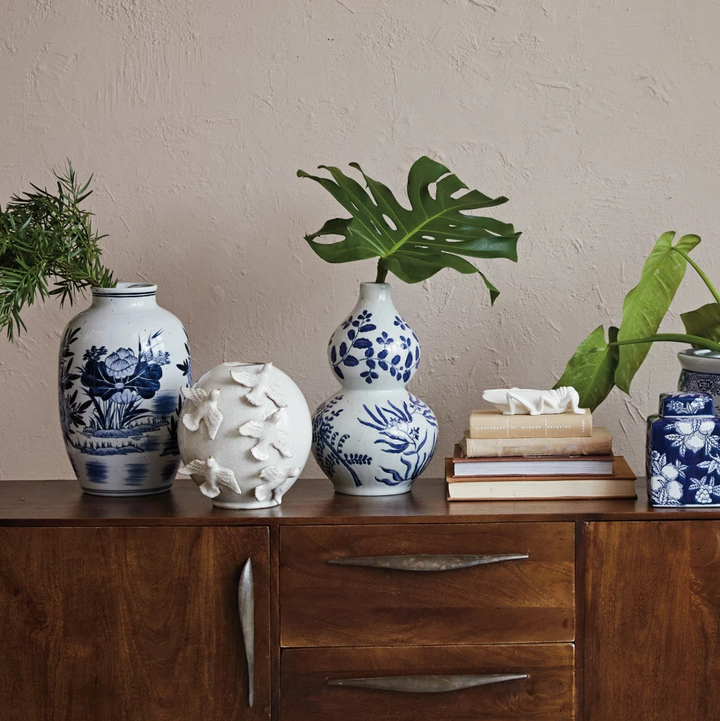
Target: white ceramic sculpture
244, 435
516, 401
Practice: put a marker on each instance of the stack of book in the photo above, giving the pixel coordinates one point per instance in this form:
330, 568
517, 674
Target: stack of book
524, 457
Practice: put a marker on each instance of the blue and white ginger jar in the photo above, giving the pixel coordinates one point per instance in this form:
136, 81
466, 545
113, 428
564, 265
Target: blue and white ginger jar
123, 362
683, 452
374, 438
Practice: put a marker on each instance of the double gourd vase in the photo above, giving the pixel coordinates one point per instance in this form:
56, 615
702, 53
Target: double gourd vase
373, 437
123, 363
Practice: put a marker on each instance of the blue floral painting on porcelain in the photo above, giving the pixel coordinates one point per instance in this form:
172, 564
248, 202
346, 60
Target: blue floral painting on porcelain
683, 451
374, 438
123, 363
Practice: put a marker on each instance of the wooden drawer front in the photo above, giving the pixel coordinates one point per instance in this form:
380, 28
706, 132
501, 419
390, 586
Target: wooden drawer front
529, 600
546, 694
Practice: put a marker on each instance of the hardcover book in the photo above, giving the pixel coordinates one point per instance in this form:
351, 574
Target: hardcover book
597, 444
494, 424
621, 484
536, 466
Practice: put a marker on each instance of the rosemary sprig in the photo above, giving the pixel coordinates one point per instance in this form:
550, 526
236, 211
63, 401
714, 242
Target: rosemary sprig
47, 247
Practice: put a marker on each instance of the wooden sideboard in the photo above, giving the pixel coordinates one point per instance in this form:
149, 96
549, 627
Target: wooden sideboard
355, 609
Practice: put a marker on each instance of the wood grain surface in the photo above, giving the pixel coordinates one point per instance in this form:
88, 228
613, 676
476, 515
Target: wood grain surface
517, 601
546, 695
652, 648
60, 503
128, 624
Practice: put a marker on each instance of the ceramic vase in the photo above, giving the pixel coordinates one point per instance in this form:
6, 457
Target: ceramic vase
374, 438
700, 372
683, 444
122, 364
244, 434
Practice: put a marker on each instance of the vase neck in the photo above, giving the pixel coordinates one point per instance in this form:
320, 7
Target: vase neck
127, 296
375, 292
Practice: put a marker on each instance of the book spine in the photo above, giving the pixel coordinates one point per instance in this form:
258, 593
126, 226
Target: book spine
560, 425
532, 447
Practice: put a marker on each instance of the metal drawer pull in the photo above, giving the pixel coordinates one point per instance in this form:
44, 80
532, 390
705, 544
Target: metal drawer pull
246, 605
426, 684
427, 563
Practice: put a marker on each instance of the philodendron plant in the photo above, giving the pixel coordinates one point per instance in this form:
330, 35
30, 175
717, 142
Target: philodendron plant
602, 362
412, 243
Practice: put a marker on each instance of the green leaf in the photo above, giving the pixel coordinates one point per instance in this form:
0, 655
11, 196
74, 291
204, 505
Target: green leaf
44, 239
415, 243
591, 370
494, 292
705, 321
647, 303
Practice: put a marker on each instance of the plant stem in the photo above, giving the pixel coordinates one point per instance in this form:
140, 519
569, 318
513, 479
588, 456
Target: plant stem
381, 272
672, 338
699, 271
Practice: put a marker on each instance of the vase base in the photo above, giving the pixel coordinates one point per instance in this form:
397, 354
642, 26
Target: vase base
128, 493
247, 506
373, 493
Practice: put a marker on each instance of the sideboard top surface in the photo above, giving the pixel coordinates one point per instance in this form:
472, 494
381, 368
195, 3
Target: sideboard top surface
61, 503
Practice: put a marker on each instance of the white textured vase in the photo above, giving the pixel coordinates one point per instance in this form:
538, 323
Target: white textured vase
244, 435
122, 365
373, 438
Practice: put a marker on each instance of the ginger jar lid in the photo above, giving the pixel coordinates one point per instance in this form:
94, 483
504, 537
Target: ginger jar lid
674, 405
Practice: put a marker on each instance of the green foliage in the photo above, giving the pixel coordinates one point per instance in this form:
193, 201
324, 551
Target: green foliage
705, 321
591, 370
415, 243
599, 364
647, 303
47, 248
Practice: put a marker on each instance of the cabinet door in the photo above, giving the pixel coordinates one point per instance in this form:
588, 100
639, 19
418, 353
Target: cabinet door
653, 621
132, 623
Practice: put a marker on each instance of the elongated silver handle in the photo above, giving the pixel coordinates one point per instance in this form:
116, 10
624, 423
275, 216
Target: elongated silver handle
246, 605
427, 563
426, 684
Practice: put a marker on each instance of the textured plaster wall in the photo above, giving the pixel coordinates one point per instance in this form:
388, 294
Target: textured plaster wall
599, 119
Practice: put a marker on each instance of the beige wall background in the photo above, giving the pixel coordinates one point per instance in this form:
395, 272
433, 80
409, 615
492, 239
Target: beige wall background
598, 119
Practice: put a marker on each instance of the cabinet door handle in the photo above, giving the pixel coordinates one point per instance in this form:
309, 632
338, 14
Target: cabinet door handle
246, 605
426, 684
428, 563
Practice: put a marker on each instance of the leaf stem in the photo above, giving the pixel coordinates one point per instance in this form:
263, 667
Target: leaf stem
382, 272
672, 338
700, 272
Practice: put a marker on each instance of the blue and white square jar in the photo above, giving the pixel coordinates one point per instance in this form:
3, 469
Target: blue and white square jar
683, 451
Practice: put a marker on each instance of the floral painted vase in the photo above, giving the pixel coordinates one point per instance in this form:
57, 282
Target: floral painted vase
122, 365
683, 451
374, 438
700, 372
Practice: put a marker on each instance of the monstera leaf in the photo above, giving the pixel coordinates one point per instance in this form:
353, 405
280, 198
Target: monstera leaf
415, 243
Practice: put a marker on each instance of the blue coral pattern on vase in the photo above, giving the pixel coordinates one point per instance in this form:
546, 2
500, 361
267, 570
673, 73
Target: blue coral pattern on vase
401, 436
329, 442
683, 452
373, 438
